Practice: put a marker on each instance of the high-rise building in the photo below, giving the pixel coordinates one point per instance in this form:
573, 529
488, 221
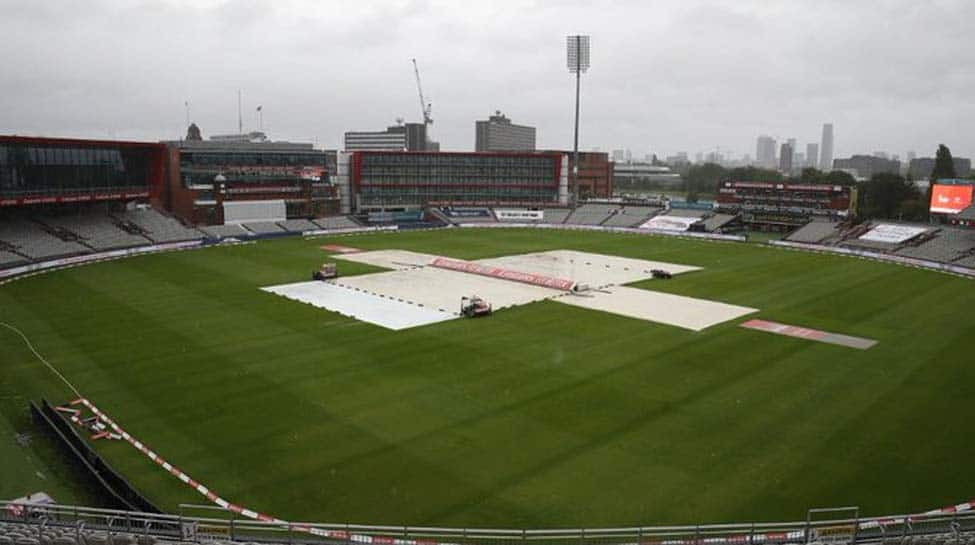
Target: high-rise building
408, 137
812, 155
618, 155
416, 136
765, 152
785, 158
498, 133
826, 149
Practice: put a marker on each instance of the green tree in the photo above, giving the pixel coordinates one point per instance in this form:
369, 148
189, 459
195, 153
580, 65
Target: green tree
944, 165
753, 174
914, 210
838, 177
812, 175
703, 179
888, 195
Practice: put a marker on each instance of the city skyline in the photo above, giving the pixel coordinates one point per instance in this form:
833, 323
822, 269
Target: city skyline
106, 69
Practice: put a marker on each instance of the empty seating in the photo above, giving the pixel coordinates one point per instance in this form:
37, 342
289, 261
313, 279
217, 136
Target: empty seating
222, 231
591, 214
556, 215
30, 239
96, 229
263, 227
8, 259
813, 232
718, 222
948, 245
335, 222
631, 216
158, 227
297, 225
686, 213
873, 245
966, 262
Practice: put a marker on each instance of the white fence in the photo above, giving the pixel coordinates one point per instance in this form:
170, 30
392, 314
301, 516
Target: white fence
603, 228
105, 524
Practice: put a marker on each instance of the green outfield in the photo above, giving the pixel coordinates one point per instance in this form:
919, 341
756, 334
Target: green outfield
543, 415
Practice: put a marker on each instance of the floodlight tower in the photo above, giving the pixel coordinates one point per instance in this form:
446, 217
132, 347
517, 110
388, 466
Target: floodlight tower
577, 59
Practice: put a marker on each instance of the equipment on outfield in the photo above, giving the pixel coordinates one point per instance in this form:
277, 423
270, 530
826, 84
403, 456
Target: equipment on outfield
474, 306
327, 271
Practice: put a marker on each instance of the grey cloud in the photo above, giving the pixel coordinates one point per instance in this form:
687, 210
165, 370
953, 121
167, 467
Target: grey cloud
666, 76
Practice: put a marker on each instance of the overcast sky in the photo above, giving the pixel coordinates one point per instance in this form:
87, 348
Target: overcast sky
666, 76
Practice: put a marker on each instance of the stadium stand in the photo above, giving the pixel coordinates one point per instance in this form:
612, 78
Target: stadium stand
298, 225
591, 214
95, 229
686, 213
556, 215
158, 227
966, 262
941, 244
263, 227
872, 245
814, 232
631, 216
335, 222
718, 222
8, 259
33, 241
220, 231
947, 245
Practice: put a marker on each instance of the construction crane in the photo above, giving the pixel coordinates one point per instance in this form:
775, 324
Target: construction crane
425, 106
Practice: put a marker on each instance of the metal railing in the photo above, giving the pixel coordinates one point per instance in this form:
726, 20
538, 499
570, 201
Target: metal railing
230, 527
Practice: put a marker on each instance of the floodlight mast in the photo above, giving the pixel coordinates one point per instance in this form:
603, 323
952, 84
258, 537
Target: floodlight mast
577, 59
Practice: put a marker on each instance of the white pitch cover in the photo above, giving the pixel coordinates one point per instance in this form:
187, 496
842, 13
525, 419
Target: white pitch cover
670, 223
894, 234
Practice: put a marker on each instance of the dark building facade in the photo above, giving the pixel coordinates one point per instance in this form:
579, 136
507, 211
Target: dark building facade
62, 170
866, 166
922, 167
404, 180
498, 133
205, 174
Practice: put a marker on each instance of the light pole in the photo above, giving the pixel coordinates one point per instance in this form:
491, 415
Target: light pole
577, 60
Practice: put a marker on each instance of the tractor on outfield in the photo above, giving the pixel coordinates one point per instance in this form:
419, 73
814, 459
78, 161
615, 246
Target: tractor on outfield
327, 271
474, 306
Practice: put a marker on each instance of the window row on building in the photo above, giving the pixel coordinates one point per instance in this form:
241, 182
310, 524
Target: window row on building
36, 169
222, 159
420, 195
